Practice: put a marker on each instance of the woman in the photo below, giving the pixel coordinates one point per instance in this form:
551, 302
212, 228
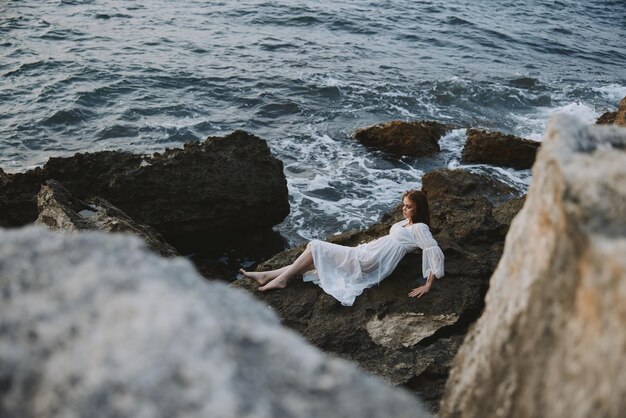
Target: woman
344, 272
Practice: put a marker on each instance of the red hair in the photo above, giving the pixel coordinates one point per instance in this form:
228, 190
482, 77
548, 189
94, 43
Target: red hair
422, 212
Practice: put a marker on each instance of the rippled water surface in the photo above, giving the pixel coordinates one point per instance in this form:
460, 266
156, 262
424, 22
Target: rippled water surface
92, 75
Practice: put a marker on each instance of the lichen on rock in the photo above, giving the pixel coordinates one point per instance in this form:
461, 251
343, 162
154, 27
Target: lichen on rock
407, 329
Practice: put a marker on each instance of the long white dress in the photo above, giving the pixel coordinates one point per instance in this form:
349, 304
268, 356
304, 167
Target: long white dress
344, 272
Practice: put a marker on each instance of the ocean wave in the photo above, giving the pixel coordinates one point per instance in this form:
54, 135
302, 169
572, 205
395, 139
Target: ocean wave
106, 16
303, 77
34, 67
117, 131
64, 34
613, 92
69, 116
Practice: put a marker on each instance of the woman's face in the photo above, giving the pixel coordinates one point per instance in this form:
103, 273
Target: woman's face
408, 208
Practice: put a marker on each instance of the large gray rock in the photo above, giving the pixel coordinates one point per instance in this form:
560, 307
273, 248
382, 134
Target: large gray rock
94, 325
552, 339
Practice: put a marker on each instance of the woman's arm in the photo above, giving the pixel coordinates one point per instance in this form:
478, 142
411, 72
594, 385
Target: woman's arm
422, 290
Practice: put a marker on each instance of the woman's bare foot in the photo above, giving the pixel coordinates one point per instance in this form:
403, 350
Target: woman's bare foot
260, 277
277, 283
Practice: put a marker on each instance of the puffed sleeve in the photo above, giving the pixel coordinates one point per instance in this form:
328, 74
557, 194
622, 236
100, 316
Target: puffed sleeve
432, 256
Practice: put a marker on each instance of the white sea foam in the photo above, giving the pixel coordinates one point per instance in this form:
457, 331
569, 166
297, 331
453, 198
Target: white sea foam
581, 111
403, 111
613, 92
535, 124
336, 184
517, 179
453, 141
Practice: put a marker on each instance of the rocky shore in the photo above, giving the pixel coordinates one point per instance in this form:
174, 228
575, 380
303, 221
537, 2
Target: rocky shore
203, 192
409, 342
204, 188
552, 339
566, 240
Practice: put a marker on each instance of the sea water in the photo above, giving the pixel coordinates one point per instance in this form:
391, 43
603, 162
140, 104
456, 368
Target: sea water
142, 76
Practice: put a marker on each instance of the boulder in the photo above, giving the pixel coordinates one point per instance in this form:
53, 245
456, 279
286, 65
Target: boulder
495, 148
18, 197
470, 216
407, 341
94, 325
552, 339
414, 139
59, 210
222, 185
616, 118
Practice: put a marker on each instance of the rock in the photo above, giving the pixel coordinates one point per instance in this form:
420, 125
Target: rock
607, 118
18, 197
94, 325
495, 148
406, 330
459, 183
59, 210
222, 185
470, 216
407, 341
620, 118
415, 139
616, 118
552, 339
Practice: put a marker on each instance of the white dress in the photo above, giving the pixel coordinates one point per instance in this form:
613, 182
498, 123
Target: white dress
344, 272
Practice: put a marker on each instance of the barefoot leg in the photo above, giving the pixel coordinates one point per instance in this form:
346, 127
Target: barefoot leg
302, 264
263, 277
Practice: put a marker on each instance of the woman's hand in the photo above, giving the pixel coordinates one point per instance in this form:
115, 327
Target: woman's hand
419, 291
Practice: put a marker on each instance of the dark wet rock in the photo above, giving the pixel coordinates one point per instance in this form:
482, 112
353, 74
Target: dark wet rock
495, 148
469, 219
414, 139
18, 197
221, 259
504, 213
59, 210
552, 339
615, 118
465, 184
220, 185
408, 341
95, 325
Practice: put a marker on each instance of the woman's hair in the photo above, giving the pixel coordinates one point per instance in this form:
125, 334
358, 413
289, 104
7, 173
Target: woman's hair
422, 213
